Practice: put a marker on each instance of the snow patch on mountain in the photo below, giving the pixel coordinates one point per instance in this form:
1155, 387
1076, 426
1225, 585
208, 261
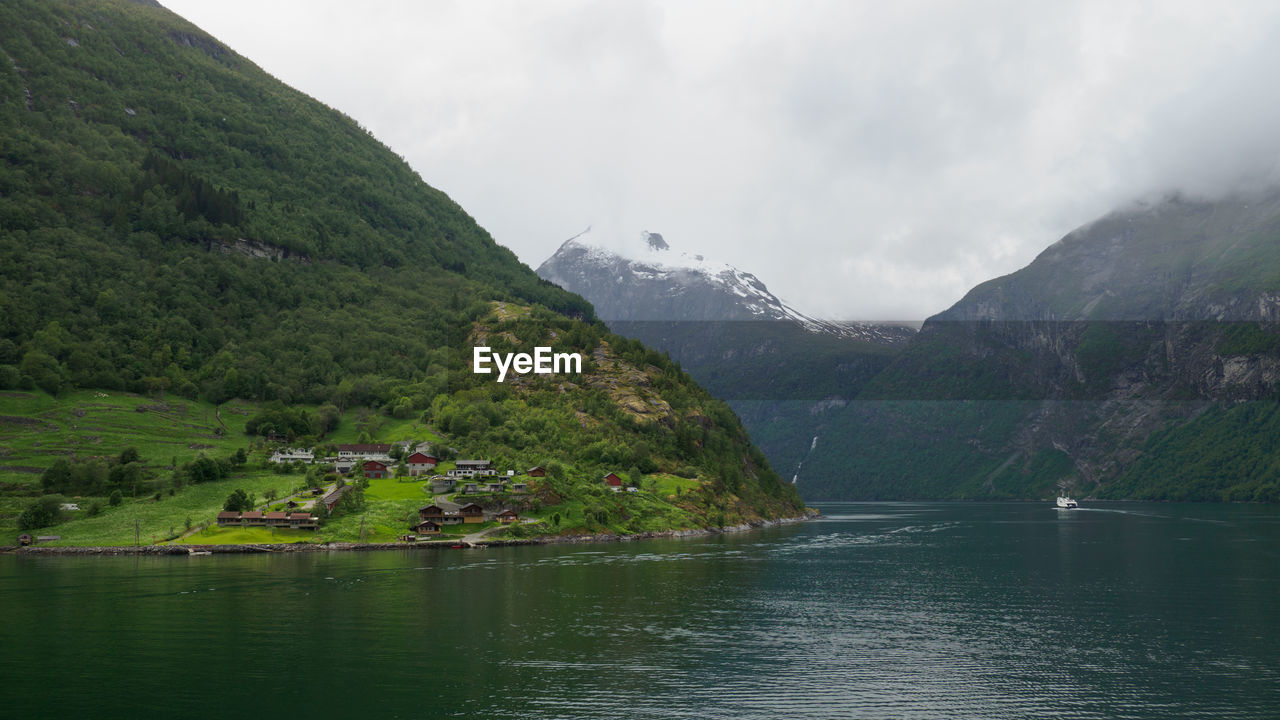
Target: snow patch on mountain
649, 259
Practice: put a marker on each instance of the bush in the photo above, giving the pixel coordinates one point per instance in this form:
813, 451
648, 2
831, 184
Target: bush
34, 516
116, 498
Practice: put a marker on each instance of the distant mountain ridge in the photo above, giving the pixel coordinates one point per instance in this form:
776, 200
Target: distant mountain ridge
1138, 357
783, 372
649, 281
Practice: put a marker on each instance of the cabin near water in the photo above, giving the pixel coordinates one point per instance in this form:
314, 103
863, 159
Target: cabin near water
274, 519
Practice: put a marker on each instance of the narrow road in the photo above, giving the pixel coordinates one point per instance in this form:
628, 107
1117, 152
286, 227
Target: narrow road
473, 537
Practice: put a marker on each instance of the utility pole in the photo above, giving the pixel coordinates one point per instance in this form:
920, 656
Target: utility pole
362, 528
137, 532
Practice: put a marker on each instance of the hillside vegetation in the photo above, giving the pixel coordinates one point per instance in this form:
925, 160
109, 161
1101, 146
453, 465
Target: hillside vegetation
1135, 358
180, 229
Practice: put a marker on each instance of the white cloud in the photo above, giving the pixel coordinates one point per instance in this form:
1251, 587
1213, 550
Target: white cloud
867, 160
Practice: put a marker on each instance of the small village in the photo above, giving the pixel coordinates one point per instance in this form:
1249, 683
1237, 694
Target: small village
375, 461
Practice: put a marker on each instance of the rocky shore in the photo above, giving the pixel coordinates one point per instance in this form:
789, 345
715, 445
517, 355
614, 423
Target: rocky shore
308, 547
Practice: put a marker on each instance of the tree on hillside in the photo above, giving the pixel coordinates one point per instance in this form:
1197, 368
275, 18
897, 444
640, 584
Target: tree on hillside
239, 501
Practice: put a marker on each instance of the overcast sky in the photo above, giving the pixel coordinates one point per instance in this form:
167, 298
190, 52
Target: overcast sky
867, 160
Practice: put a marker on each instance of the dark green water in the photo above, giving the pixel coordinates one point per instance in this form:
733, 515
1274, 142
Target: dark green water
934, 610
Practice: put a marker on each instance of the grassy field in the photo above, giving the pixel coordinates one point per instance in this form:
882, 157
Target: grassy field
36, 429
398, 489
385, 429
383, 521
241, 536
159, 520
666, 485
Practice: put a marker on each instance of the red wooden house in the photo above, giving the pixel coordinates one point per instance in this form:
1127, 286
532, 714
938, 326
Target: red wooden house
613, 482
374, 469
537, 471
421, 463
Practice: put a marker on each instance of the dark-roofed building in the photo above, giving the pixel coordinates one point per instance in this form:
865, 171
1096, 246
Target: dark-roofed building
277, 518
427, 527
431, 512
537, 471
253, 518
365, 451
332, 498
303, 521
228, 517
613, 482
472, 513
506, 517
374, 469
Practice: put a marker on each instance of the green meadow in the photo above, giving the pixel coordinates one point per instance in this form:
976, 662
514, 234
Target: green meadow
157, 520
36, 429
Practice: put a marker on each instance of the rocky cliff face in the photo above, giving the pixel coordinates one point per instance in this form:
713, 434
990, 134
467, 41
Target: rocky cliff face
1151, 321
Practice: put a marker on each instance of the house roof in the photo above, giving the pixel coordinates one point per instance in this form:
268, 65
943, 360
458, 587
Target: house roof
460, 463
277, 515
431, 508
421, 458
252, 515
365, 448
508, 513
228, 515
300, 516
470, 507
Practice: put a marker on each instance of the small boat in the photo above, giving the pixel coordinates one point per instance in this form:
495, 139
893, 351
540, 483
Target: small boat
1066, 503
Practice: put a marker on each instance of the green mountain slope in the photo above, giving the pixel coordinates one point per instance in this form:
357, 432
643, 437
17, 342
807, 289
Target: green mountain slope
175, 222
1139, 357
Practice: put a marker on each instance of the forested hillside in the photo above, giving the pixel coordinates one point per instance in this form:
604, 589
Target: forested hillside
176, 223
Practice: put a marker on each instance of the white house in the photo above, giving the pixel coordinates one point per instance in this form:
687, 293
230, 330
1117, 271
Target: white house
381, 453
471, 468
291, 455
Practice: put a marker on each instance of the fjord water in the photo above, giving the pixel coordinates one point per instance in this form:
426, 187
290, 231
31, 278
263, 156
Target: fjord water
930, 610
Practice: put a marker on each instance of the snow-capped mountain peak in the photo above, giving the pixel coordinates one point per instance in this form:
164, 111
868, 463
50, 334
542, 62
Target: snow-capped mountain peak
643, 278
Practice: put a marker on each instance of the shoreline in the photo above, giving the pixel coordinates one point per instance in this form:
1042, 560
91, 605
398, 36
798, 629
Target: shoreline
309, 547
